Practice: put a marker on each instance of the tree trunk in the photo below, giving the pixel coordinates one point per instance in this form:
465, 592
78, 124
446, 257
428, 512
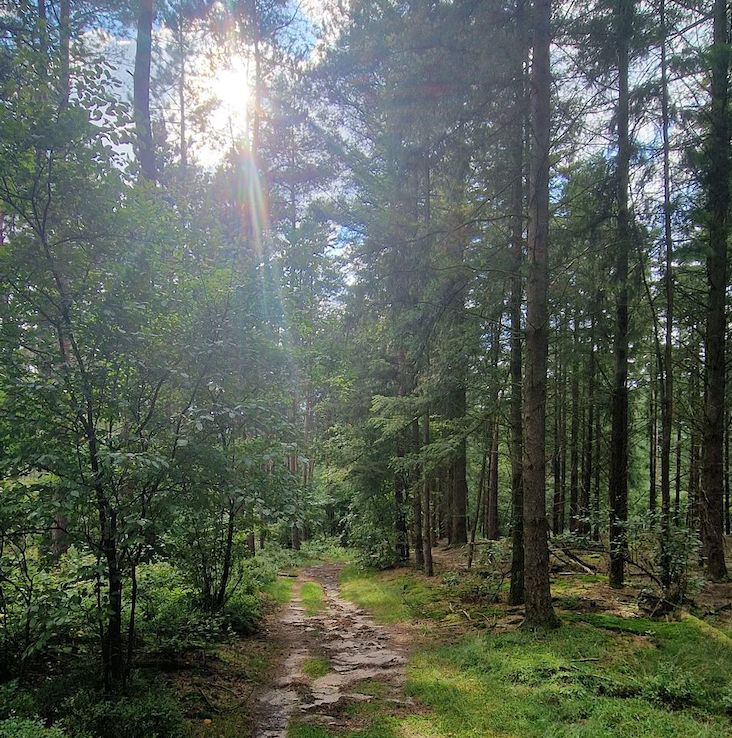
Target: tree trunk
417, 506
652, 445
479, 502
596, 481
459, 533
718, 204
726, 478
59, 534
141, 90
677, 481
618, 482
112, 650
585, 511
539, 611
516, 592
574, 437
114, 617
692, 513
556, 460
426, 504
400, 514
562, 512
667, 379
228, 559
493, 532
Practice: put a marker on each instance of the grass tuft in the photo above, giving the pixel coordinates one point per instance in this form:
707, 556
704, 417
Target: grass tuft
280, 590
316, 668
311, 596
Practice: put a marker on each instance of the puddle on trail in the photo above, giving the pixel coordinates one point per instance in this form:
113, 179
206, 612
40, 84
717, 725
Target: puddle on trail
357, 650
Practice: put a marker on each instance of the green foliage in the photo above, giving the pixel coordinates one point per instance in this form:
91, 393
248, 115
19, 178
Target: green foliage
372, 529
328, 548
674, 687
170, 618
553, 685
47, 610
15, 702
150, 712
243, 611
28, 728
280, 591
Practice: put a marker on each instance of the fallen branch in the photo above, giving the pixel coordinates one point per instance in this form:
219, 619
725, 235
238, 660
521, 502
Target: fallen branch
643, 569
207, 700
588, 568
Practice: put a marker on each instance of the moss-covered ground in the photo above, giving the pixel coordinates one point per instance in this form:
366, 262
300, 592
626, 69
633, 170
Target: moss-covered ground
600, 675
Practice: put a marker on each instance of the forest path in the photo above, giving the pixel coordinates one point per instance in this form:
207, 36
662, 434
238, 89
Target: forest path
328, 655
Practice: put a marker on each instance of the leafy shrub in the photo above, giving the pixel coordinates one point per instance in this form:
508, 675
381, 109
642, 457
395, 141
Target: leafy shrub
256, 573
673, 687
28, 728
243, 611
15, 702
326, 548
726, 701
371, 522
478, 589
153, 714
44, 609
451, 579
168, 616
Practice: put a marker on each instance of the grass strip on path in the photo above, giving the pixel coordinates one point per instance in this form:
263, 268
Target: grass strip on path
311, 596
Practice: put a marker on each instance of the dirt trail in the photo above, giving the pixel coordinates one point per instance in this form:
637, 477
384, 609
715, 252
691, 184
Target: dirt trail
357, 650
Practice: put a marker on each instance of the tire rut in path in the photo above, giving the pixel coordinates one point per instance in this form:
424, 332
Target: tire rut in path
356, 648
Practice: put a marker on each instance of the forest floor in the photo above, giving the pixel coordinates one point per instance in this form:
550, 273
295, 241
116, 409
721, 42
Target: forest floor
394, 654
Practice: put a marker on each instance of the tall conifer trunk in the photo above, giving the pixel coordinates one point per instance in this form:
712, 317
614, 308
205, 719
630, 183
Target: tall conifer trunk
585, 511
667, 379
516, 592
539, 611
141, 90
574, 436
718, 204
426, 504
618, 483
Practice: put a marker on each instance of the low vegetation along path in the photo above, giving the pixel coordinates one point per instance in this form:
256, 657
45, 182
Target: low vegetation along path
333, 651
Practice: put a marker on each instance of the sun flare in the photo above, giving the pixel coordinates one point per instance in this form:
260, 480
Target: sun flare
230, 85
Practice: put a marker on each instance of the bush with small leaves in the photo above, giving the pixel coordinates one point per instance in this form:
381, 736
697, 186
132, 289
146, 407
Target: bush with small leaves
673, 687
15, 702
169, 619
28, 728
243, 612
150, 711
